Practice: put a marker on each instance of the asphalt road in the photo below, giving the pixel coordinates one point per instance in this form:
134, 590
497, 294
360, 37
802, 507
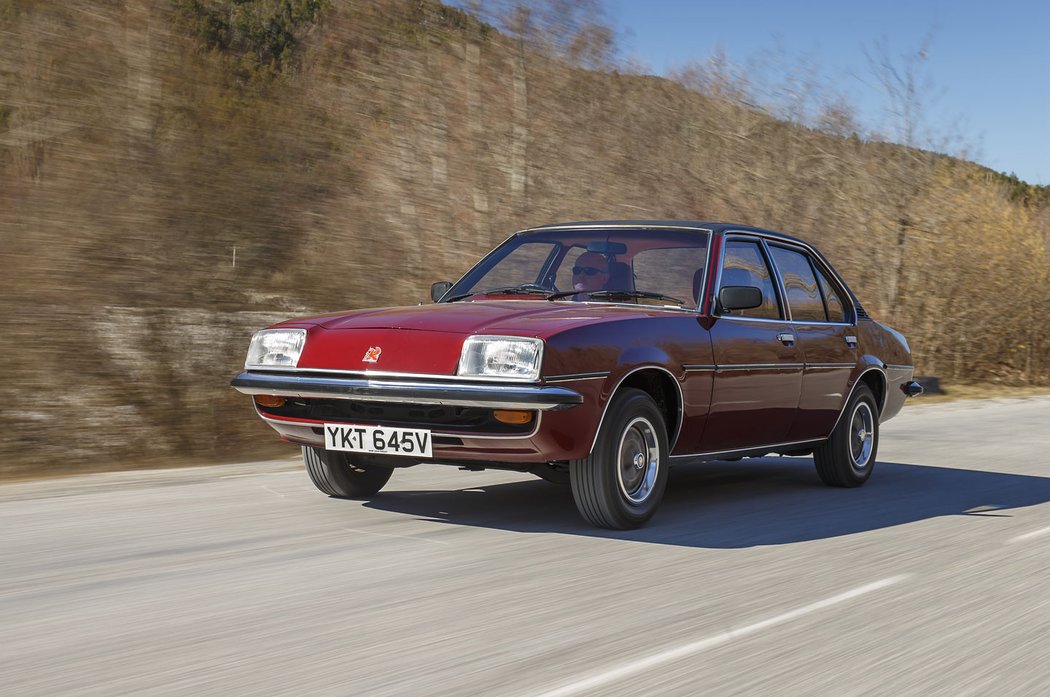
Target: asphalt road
753, 579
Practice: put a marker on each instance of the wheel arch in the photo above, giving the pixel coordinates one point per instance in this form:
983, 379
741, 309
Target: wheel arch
875, 379
660, 384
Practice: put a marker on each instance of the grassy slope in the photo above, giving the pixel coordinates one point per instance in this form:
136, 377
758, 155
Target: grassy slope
161, 200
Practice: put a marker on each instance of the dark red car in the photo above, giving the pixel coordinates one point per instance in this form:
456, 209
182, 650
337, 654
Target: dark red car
597, 354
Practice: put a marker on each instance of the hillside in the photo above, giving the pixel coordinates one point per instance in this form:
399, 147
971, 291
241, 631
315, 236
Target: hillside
176, 175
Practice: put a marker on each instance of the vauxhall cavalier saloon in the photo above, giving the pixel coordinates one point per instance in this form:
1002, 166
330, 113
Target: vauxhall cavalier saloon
598, 355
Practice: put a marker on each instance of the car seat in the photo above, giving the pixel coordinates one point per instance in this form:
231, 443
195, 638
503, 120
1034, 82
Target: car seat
620, 276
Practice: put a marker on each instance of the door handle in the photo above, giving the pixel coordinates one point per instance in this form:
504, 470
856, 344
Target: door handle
851, 341
786, 337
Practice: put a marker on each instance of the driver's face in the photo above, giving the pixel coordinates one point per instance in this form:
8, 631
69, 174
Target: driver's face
590, 272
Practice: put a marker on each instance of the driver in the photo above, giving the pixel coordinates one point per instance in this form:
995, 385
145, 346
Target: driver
591, 272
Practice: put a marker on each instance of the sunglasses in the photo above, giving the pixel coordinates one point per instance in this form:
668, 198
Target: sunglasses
587, 271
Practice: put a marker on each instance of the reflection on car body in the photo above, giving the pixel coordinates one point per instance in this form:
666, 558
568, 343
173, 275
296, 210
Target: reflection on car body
596, 354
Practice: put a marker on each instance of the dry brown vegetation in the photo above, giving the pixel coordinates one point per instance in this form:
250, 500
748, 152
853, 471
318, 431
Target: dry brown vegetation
166, 188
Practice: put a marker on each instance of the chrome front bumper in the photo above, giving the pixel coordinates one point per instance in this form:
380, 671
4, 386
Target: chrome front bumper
460, 394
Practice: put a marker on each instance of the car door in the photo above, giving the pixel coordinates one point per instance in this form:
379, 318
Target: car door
758, 367
826, 339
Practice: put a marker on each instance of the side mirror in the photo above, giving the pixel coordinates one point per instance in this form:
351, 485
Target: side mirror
739, 297
438, 289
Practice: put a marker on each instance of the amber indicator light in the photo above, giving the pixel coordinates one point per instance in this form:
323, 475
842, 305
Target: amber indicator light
265, 400
512, 416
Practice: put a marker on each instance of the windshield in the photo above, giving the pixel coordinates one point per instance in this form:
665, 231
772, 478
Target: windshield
651, 266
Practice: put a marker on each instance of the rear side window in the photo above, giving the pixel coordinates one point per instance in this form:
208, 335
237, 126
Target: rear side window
800, 284
745, 265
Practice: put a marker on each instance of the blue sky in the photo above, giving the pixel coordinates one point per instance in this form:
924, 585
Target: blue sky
988, 63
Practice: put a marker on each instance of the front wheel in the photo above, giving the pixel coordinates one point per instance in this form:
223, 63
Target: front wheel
334, 474
621, 483
847, 457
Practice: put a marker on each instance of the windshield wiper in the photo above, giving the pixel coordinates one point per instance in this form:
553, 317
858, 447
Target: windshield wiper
516, 290
617, 294
526, 289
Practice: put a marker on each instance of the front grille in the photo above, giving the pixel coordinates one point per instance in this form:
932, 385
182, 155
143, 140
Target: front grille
465, 420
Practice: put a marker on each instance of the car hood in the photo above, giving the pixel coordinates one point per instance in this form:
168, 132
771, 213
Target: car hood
427, 339
520, 317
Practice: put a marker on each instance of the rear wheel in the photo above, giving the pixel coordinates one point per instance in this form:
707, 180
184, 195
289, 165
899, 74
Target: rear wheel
334, 474
847, 457
622, 481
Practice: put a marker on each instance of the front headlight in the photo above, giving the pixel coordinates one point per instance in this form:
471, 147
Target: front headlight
503, 357
275, 348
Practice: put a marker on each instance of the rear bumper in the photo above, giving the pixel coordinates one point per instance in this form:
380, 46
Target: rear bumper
502, 396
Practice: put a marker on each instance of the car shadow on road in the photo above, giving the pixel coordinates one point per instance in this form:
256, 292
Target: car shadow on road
764, 501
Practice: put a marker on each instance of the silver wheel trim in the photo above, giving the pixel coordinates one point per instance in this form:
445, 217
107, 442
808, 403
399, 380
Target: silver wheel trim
637, 460
861, 436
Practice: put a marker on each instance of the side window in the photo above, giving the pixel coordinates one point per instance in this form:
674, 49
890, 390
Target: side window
836, 305
800, 285
744, 265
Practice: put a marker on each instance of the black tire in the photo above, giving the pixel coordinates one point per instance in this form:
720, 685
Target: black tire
334, 474
613, 487
847, 457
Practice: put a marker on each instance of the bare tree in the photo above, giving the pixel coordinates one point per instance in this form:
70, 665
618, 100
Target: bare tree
574, 30
906, 89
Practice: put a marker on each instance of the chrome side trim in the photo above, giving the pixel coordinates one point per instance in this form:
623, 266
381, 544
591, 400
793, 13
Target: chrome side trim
681, 404
443, 434
577, 376
758, 366
765, 366
466, 395
736, 318
891, 366
773, 446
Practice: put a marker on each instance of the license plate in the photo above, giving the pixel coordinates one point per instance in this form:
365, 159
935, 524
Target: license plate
378, 439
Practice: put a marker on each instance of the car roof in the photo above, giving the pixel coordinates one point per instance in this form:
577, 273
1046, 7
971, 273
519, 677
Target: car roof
710, 226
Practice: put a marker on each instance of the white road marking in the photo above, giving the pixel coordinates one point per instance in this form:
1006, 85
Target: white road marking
399, 537
1030, 535
674, 654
